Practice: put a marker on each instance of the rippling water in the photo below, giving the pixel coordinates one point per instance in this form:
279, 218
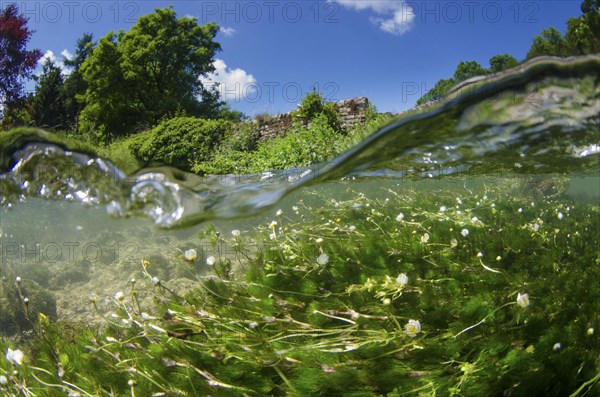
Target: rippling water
68, 218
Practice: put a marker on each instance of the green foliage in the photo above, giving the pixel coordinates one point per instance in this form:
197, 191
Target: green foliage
467, 69
179, 142
75, 86
312, 106
137, 78
549, 42
48, 104
499, 63
439, 91
318, 307
583, 33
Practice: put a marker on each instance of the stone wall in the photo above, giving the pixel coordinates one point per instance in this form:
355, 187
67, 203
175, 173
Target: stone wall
350, 111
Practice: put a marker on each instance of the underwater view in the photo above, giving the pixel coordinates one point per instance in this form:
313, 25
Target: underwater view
454, 252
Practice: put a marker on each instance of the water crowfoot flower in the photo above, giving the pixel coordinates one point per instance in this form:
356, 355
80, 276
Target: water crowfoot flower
279, 212
190, 255
236, 233
323, 259
14, 356
425, 238
523, 300
557, 346
119, 296
400, 217
413, 327
402, 279
464, 232
210, 261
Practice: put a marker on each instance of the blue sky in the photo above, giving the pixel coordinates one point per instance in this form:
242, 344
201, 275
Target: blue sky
390, 51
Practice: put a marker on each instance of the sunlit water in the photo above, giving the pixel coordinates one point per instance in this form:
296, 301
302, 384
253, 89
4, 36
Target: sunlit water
78, 227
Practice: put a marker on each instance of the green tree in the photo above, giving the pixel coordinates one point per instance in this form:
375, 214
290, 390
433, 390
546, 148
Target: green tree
583, 33
439, 91
467, 69
151, 72
48, 104
549, 42
502, 62
75, 86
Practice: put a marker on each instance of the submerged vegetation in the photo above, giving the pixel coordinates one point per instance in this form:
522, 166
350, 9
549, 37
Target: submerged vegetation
416, 289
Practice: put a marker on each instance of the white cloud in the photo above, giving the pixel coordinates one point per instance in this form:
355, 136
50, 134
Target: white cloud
228, 32
49, 55
395, 16
232, 84
65, 53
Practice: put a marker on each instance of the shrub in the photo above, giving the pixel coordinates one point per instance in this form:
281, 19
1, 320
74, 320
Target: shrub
313, 105
179, 142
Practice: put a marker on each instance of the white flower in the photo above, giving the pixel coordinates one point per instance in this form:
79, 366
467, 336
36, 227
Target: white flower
319, 240
425, 238
400, 217
155, 280
14, 356
236, 233
295, 208
190, 254
474, 219
520, 210
272, 236
523, 300
413, 327
443, 208
402, 279
464, 232
253, 324
590, 331
279, 212
120, 296
211, 260
387, 301
272, 225
3, 380
18, 279
453, 242
557, 346
559, 215
323, 259
479, 255
498, 258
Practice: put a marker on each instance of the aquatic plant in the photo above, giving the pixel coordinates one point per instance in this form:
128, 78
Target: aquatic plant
345, 296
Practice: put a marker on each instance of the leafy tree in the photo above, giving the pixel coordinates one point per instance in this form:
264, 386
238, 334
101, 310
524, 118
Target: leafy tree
439, 91
151, 72
48, 103
583, 33
549, 42
75, 86
467, 69
16, 63
502, 62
